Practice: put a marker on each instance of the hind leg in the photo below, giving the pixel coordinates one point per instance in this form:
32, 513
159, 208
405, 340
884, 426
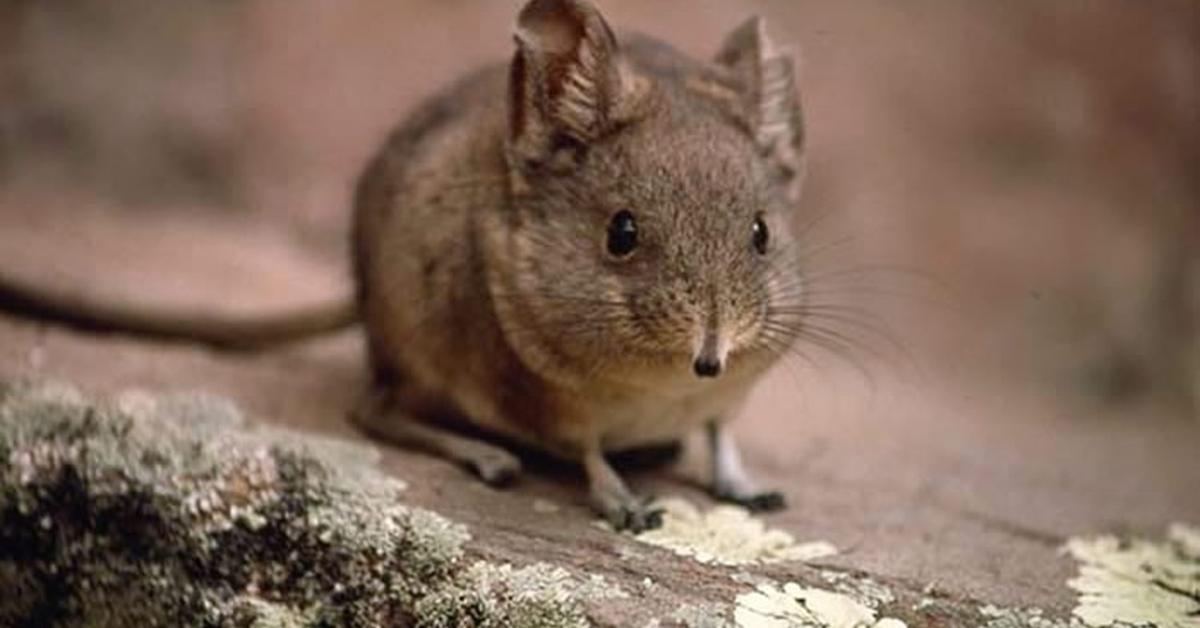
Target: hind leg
380, 416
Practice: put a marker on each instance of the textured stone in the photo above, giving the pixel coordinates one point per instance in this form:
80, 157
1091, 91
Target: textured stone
169, 510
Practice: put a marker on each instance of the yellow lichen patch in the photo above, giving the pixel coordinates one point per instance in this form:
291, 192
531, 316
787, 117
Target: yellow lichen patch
793, 606
727, 535
1139, 582
1022, 617
1187, 538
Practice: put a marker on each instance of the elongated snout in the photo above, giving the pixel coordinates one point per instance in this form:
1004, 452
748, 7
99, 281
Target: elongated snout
707, 367
710, 357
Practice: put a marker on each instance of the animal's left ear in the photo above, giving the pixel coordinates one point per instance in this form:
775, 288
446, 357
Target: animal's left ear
770, 104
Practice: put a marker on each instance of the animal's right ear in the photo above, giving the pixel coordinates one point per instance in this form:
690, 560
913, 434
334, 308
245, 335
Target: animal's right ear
770, 104
568, 85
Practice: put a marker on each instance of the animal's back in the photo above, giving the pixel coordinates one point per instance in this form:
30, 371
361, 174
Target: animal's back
417, 270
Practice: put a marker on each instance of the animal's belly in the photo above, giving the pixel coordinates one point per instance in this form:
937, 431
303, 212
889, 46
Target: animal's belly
638, 422
664, 425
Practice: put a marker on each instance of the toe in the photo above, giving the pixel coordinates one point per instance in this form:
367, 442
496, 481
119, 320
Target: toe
756, 501
640, 517
633, 516
765, 502
649, 519
497, 468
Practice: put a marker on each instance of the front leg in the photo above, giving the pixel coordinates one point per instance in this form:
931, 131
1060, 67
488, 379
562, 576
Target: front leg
730, 482
612, 499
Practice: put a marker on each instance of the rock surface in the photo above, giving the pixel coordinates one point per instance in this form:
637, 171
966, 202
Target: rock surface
169, 510
939, 483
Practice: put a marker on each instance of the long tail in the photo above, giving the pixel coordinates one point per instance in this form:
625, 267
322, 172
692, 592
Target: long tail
232, 333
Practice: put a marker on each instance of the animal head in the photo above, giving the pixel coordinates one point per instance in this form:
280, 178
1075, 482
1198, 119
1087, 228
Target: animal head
652, 195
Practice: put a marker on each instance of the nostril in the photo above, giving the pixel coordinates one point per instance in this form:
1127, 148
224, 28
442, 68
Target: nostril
706, 367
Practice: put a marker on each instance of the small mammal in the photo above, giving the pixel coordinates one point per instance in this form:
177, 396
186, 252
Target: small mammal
585, 250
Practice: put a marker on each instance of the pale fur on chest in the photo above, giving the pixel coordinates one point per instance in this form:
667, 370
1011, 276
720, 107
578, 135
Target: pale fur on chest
646, 417
661, 410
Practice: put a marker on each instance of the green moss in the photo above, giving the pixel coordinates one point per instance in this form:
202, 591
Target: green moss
171, 510
145, 510
21, 593
258, 613
491, 596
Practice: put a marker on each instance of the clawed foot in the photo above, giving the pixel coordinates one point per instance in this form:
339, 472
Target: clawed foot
494, 466
754, 501
628, 513
730, 482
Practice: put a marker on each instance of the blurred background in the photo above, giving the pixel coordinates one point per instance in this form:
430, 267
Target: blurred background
1015, 185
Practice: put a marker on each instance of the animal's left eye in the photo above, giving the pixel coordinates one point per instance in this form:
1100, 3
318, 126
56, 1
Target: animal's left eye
622, 234
760, 236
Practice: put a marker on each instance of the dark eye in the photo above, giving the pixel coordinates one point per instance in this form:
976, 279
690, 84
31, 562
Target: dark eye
622, 234
761, 235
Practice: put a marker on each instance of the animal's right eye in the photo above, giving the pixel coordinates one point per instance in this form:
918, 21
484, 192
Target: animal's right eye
622, 234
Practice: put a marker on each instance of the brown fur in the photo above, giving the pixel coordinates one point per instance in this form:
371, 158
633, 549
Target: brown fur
484, 282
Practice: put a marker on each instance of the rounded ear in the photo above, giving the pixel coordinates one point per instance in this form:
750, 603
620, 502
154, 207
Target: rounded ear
770, 103
567, 83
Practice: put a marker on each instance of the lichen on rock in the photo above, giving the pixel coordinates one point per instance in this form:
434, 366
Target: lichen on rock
796, 606
1138, 582
710, 615
501, 596
1023, 617
727, 535
169, 510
